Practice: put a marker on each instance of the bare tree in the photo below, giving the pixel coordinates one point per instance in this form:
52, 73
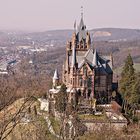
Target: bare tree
10, 119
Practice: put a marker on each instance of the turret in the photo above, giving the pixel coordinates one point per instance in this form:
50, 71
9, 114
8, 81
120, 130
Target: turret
55, 79
82, 36
81, 30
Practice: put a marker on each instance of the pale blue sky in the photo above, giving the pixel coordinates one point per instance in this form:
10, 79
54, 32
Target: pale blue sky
41, 15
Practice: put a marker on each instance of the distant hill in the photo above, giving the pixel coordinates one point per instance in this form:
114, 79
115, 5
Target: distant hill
101, 34
118, 41
115, 34
52, 34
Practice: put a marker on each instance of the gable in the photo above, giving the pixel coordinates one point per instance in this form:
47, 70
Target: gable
85, 65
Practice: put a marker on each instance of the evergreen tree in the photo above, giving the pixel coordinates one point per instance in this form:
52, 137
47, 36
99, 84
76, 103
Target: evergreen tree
136, 89
127, 77
61, 100
129, 85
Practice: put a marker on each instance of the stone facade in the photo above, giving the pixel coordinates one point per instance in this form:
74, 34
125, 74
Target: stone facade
84, 70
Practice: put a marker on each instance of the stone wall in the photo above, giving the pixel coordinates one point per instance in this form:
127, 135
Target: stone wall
92, 126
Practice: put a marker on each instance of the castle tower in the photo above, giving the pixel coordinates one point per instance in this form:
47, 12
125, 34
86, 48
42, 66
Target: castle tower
89, 73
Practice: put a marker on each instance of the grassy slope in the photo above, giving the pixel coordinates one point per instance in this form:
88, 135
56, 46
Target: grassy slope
36, 129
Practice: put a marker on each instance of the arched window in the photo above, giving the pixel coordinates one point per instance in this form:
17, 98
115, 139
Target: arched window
89, 81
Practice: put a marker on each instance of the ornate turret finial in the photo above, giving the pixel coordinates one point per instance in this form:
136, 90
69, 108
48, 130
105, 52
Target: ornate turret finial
81, 11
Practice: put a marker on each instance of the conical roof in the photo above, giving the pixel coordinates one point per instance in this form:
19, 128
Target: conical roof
56, 76
81, 30
81, 25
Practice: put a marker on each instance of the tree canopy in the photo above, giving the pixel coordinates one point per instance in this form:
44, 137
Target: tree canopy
61, 100
127, 78
130, 83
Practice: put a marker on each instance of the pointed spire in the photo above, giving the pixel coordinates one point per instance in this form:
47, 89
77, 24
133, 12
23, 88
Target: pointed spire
81, 25
75, 26
73, 62
95, 58
56, 76
81, 28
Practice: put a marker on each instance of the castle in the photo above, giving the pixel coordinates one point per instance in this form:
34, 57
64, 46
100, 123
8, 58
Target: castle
85, 71
88, 77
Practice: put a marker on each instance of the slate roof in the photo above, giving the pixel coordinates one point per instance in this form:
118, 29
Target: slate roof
95, 61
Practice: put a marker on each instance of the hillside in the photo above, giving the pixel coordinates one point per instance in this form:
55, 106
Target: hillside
115, 34
30, 122
101, 34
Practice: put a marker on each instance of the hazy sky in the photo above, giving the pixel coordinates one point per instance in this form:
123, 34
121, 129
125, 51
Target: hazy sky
41, 15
